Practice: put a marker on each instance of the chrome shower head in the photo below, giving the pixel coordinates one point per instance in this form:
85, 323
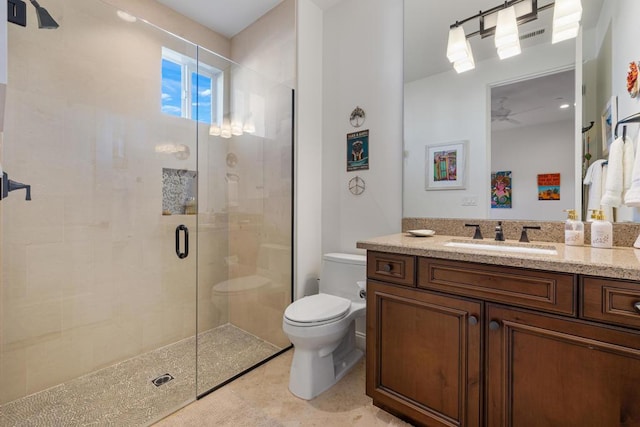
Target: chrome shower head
44, 18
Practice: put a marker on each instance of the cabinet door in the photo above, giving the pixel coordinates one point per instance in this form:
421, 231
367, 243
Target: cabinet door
423, 355
548, 371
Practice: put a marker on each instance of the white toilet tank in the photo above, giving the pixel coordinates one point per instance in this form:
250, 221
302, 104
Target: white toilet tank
339, 274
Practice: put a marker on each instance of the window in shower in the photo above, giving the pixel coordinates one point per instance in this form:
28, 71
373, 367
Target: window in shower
189, 89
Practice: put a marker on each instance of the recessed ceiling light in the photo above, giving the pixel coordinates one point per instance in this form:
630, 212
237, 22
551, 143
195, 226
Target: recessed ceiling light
126, 17
565, 106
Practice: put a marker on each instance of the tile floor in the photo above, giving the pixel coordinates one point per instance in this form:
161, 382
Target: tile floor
262, 398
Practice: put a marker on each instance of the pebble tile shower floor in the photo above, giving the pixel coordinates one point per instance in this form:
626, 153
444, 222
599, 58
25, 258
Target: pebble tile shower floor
123, 395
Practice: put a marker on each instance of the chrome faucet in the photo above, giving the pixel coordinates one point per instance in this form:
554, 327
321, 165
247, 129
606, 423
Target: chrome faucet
499, 233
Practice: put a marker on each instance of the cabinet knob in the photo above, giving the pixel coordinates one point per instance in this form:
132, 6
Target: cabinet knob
494, 325
473, 320
387, 267
637, 306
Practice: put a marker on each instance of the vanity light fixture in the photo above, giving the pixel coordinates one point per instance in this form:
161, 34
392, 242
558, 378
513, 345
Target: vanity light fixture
232, 127
225, 131
459, 50
566, 19
249, 126
215, 129
502, 22
507, 38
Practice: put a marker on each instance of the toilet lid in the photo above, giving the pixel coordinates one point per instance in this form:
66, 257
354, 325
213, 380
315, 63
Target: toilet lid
317, 308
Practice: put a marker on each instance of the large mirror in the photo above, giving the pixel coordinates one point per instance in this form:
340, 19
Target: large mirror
444, 107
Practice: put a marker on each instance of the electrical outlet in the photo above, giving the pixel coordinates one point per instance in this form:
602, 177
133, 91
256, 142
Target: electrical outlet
17, 12
470, 201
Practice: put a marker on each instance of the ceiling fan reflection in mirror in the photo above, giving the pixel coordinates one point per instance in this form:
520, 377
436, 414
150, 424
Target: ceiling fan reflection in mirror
504, 114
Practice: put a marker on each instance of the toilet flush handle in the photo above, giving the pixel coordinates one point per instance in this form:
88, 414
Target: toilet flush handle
362, 284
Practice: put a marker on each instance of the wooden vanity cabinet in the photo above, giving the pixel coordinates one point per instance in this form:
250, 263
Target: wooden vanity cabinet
545, 370
468, 344
423, 355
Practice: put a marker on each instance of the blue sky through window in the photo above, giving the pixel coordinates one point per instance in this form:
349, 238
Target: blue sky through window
201, 97
171, 88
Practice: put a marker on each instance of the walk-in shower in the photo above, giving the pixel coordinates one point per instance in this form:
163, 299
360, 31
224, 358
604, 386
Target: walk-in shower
139, 276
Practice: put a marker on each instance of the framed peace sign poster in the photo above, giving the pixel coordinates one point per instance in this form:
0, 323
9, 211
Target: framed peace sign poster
358, 150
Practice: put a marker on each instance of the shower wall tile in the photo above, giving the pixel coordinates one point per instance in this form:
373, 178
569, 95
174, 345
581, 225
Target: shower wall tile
40, 220
14, 272
47, 268
49, 362
13, 369
24, 322
115, 341
86, 309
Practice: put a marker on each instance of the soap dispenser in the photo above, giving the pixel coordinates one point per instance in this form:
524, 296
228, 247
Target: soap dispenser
573, 229
601, 231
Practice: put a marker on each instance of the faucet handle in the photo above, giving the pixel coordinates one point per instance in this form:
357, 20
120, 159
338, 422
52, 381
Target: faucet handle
523, 237
477, 235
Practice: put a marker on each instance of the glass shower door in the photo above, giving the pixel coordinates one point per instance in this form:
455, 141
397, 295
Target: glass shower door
245, 223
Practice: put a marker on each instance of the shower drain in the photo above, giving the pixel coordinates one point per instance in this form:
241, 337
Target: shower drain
162, 379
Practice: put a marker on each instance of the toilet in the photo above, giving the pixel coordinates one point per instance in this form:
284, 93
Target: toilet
322, 327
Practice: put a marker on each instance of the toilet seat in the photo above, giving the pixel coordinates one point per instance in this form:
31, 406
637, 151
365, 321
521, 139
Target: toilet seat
317, 310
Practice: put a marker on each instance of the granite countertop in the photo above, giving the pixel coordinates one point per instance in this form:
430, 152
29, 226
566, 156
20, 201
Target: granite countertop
618, 262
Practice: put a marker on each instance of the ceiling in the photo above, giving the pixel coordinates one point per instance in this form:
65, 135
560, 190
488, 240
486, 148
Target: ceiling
229, 17
533, 101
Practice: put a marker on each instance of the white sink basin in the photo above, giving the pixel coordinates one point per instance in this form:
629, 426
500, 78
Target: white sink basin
505, 247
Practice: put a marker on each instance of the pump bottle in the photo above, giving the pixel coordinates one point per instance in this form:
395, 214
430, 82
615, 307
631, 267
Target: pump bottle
573, 229
601, 231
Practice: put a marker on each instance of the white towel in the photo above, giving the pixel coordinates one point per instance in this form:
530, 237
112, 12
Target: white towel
625, 213
613, 188
628, 159
594, 179
632, 195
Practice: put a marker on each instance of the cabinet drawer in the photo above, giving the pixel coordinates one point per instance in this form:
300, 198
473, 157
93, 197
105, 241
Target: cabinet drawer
552, 292
398, 269
611, 301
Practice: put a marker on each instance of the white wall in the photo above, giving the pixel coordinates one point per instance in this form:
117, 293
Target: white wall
362, 65
530, 151
308, 149
625, 36
451, 107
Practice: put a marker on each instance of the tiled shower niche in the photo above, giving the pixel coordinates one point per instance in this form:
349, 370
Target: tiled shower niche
179, 191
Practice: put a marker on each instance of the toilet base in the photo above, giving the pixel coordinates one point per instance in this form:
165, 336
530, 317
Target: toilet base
314, 371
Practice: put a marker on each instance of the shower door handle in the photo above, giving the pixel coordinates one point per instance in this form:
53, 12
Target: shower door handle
184, 254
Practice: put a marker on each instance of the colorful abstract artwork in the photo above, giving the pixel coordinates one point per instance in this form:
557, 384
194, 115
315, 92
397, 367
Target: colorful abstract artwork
501, 190
549, 186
